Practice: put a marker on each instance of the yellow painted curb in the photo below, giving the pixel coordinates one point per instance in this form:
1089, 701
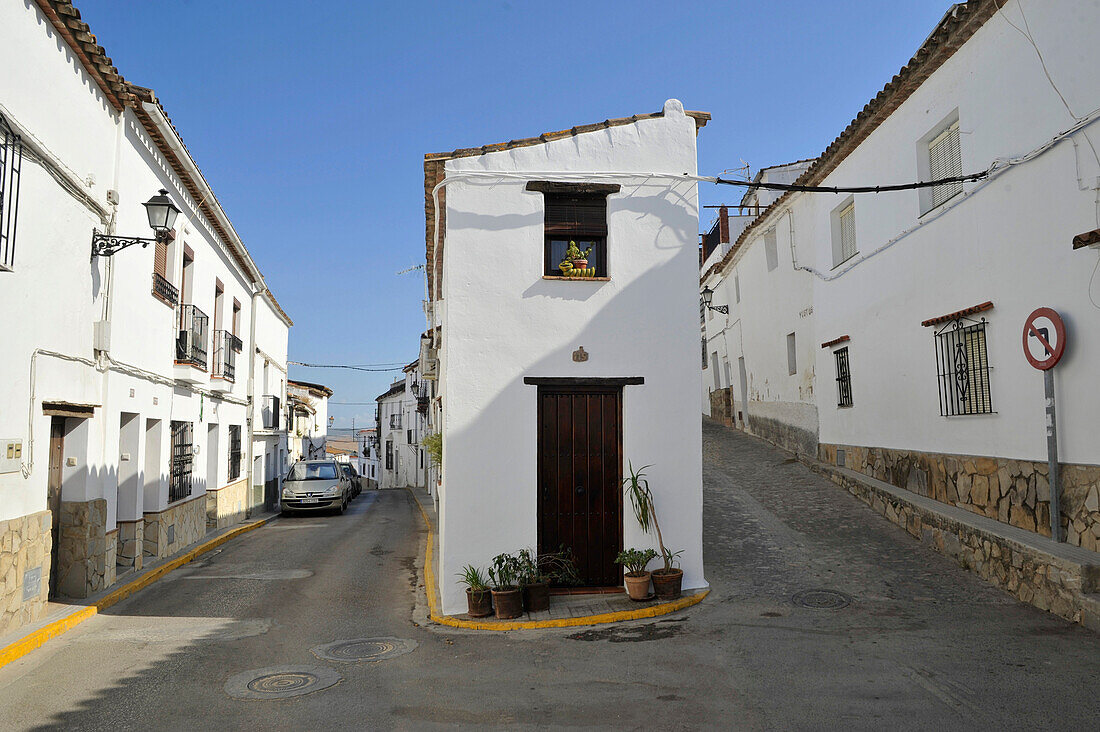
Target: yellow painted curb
34, 640
435, 616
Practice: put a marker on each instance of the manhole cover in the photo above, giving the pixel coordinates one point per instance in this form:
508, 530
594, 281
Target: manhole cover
365, 649
280, 682
822, 599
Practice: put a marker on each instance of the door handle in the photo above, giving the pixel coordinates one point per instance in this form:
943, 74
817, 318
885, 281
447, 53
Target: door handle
580, 490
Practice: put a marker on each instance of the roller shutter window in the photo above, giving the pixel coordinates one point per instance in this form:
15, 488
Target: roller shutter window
945, 161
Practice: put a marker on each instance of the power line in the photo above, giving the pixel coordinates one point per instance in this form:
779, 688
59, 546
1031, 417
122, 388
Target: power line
856, 189
367, 367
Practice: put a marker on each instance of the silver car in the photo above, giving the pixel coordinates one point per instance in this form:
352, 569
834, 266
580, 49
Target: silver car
316, 485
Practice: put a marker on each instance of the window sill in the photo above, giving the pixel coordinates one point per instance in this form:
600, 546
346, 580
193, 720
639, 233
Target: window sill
577, 279
842, 262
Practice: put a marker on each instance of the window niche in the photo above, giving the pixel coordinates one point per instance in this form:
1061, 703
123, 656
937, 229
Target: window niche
574, 212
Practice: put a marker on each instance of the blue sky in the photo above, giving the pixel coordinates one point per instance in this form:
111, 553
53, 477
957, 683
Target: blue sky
310, 120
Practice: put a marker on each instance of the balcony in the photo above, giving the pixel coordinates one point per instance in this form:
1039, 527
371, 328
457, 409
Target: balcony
270, 411
395, 421
238, 345
164, 291
191, 343
225, 358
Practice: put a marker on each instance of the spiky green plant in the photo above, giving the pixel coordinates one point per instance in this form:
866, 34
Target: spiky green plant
472, 577
641, 500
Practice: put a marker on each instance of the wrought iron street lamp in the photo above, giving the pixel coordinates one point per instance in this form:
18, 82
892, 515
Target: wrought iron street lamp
708, 296
162, 217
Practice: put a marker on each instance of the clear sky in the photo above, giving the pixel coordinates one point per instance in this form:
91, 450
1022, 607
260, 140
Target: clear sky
310, 119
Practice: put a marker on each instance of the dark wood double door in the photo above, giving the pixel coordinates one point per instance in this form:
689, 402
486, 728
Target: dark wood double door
580, 478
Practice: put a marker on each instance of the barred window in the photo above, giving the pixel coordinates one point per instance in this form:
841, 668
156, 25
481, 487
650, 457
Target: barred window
11, 164
843, 378
234, 451
179, 483
962, 360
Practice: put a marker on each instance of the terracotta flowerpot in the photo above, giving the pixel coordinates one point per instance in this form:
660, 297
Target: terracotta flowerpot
580, 264
637, 585
479, 603
666, 583
536, 597
507, 602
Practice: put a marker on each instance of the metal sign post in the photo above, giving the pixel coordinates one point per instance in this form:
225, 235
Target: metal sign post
1044, 344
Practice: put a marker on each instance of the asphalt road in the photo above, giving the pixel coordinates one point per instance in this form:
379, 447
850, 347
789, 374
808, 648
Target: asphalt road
921, 644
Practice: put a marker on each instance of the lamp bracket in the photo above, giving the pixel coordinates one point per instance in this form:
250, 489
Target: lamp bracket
724, 309
105, 245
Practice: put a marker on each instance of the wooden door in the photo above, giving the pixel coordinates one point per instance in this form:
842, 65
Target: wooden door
53, 493
580, 478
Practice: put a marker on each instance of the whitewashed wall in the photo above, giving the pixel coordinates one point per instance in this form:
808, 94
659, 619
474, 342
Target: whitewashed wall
504, 322
1008, 242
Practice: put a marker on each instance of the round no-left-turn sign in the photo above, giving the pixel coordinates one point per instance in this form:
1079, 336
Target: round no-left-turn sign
1044, 338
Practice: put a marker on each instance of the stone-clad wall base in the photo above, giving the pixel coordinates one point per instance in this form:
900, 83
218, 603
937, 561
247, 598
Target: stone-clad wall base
784, 435
1048, 582
227, 506
1015, 492
129, 552
187, 521
721, 408
111, 546
82, 548
24, 554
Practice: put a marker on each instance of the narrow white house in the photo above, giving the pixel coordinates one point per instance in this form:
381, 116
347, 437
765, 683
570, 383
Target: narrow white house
270, 411
550, 384
308, 430
125, 412
401, 425
909, 365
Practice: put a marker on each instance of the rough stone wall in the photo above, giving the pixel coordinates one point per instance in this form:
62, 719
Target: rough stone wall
721, 406
1016, 492
24, 558
82, 548
111, 546
228, 505
1035, 578
187, 521
130, 547
783, 434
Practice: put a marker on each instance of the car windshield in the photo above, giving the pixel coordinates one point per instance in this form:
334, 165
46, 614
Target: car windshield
312, 471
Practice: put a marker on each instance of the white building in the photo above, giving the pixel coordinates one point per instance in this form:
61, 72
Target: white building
907, 308
124, 413
270, 412
401, 425
309, 424
523, 348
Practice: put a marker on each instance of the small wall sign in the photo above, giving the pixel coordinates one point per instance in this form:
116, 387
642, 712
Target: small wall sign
1044, 338
580, 355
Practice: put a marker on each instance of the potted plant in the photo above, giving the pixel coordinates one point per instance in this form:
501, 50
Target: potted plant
576, 260
504, 576
636, 577
533, 582
667, 581
479, 600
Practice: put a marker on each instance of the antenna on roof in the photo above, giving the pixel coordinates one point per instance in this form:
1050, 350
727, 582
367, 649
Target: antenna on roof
745, 170
411, 269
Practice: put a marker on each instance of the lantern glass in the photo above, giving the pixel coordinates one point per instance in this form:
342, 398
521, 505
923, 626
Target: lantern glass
708, 295
161, 212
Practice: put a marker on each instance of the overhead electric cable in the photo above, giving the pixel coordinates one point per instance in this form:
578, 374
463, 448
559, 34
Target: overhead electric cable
856, 189
344, 366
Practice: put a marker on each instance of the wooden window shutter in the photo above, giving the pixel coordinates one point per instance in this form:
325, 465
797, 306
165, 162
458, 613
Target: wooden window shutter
576, 215
160, 259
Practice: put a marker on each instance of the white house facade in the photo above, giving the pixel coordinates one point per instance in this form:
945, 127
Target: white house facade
401, 425
124, 414
308, 432
912, 357
552, 384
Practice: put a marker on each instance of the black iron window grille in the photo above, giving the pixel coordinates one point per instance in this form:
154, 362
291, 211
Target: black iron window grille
191, 341
237, 343
843, 378
179, 482
11, 165
164, 289
389, 454
234, 451
225, 356
962, 360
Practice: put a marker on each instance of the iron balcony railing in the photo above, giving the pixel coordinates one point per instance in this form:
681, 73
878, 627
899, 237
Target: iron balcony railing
237, 343
164, 289
225, 357
191, 341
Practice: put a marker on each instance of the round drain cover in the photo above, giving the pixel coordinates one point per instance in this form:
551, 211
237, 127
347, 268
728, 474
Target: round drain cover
822, 599
365, 649
280, 682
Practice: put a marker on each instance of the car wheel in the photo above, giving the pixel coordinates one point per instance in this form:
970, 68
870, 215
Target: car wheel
342, 507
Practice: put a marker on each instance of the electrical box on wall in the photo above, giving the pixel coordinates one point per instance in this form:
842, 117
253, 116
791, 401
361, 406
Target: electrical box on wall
11, 455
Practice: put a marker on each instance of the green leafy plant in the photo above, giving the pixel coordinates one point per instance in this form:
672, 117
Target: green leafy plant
472, 577
558, 567
572, 252
505, 572
635, 560
641, 500
433, 443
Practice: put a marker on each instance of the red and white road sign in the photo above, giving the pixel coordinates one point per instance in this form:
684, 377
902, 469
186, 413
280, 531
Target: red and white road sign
1044, 338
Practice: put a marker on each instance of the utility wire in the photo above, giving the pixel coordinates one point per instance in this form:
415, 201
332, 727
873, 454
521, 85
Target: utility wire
344, 366
856, 189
